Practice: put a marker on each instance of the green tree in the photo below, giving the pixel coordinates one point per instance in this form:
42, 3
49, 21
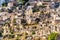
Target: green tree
1, 35
4, 4
23, 1
36, 8
42, 6
17, 38
11, 36
52, 36
33, 32
14, 22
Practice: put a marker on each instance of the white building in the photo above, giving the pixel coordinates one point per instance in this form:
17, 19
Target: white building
28, 14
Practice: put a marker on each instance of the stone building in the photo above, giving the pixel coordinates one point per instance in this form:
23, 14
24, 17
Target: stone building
10, 4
